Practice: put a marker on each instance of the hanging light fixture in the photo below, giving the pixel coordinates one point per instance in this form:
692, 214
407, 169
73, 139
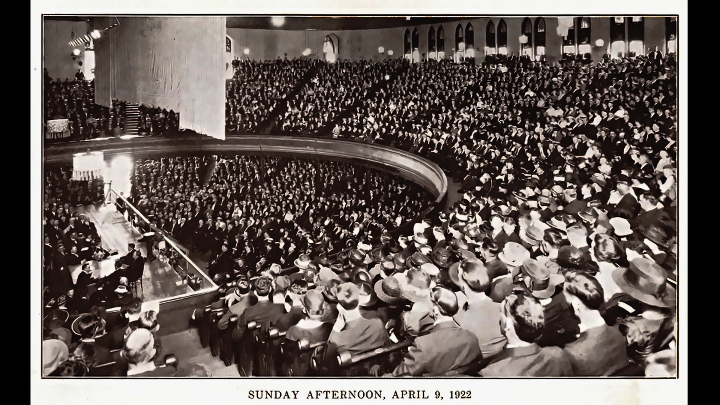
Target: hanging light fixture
599, 42
76, 52
277, 21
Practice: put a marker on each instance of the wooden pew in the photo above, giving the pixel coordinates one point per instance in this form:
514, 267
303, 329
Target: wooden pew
297, 356
214, 332
227, 353
386, 358
245, 351
204, 328
270, 358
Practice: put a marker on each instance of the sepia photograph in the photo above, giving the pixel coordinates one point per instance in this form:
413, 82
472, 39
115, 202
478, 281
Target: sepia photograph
344, 197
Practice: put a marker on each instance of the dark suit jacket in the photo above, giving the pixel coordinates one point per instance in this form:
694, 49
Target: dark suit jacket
496, 268
237, 309
357, 336
561, 324
627, 207
135, 269
447, 347
574, 207
483, 319
502, 238
588, 361
262, 312
530, 361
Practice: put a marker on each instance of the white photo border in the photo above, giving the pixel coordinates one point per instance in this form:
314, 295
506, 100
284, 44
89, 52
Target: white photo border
495, 391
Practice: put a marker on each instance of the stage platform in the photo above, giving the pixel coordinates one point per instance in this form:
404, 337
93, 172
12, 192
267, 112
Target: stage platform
159, 279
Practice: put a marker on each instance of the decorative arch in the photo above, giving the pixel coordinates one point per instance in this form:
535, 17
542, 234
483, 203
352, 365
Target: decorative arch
502, 39
330, 48
441, 42
526, 47
469, 41
432, 44
490, 39
459, 53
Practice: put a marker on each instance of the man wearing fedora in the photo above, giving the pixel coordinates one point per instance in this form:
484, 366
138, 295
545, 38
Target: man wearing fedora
416, 288
446, 347
479, 314
522, 323
645, 310
561, 326
586, 296
264, 311
513, 255
351, 331
238, 300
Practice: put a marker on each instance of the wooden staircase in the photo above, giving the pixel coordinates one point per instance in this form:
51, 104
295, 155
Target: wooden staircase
186, 347
131, 119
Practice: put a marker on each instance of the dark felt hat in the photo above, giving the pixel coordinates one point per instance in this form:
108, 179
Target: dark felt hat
646, 281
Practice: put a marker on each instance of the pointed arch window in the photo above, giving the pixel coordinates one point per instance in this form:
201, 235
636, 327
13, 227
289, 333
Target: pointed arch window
441, 42
490, 39
415, 46
469, 41
539, 37
407, 45
502, 40
526, 44
671, 34
432, 46
459, 43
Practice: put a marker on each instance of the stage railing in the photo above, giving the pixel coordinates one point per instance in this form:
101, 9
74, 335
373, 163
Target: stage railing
190, 274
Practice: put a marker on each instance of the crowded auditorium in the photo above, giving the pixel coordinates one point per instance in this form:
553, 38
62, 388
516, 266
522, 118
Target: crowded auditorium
258, 196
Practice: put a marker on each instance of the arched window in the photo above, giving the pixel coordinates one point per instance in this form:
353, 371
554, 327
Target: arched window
441, 43
228, 44
526, 43
469, 41
502, 38
569, 41
583, 35
415, 46
432, 48
636, 36
407, 45
459, 43
671, 34
490, 40
539, 37
329, 49
617, 37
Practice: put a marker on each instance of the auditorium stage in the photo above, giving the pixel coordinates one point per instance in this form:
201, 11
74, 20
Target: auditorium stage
159, 279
